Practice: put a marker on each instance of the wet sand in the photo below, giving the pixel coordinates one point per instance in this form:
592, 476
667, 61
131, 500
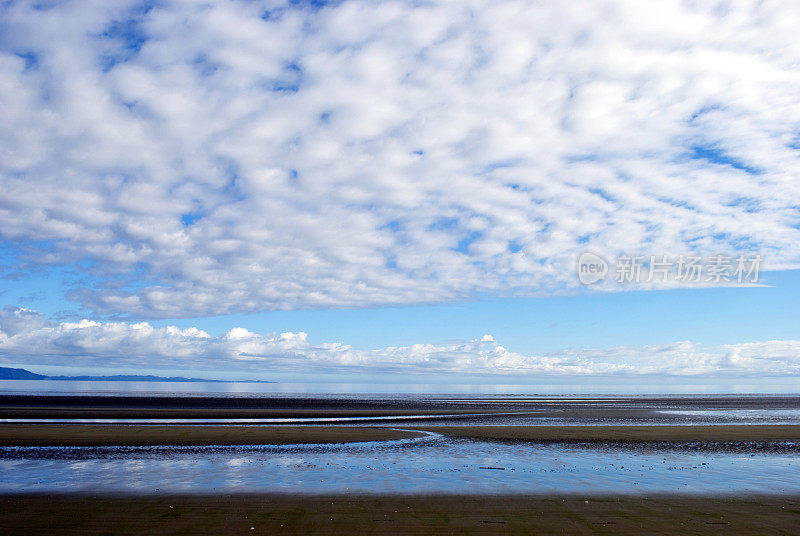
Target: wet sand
625, 434
144, 435
140, 435
500, 410
438, 514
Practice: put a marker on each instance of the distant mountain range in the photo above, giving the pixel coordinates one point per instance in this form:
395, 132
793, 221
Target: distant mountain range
7, 373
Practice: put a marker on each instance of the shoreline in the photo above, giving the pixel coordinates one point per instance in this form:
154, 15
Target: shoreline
489, 410
78, 435
624, 433
715, 436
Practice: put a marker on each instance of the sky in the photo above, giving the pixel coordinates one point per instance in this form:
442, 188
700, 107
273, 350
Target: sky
401, 189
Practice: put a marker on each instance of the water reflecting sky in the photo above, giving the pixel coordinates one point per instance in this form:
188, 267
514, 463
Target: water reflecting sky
599, 386
433, 464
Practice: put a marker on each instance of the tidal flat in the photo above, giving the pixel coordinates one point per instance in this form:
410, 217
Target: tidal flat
503, 464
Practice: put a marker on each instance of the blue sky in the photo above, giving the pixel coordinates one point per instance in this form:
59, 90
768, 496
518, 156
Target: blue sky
585, 318
397, 187
711, 316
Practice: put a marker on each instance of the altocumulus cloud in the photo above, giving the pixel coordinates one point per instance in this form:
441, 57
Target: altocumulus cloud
206, 158
26, 338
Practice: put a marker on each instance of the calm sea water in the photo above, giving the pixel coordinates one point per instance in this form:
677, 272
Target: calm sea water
602, 387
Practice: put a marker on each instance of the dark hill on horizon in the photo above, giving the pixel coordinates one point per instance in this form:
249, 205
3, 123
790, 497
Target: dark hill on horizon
7, 373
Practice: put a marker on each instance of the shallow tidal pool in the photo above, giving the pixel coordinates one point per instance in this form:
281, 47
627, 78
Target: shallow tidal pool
432, 464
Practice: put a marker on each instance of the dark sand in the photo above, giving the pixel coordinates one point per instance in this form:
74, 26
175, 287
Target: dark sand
364, 515
639, 410
214, 413
137, 435
626, 434
118, 435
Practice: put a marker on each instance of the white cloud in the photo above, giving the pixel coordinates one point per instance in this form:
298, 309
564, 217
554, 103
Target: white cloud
206, 158
27, 339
